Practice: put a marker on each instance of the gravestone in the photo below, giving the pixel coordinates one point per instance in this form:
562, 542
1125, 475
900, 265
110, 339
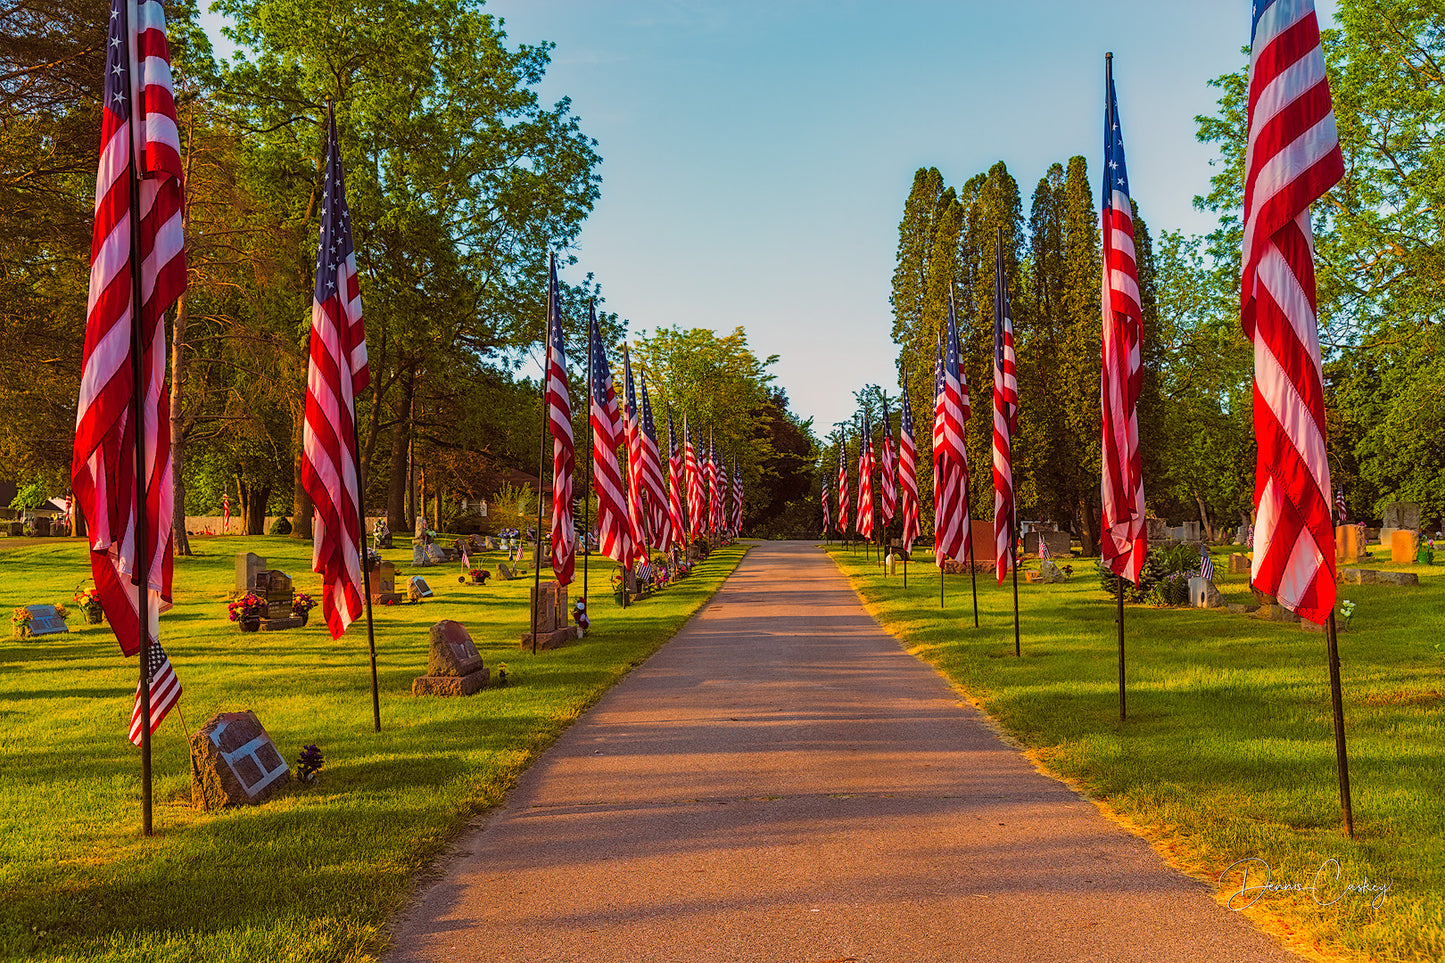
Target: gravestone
434, 553
1404, 546
234, 762
417, 589
1203, 594
1347, 543
1239, 564
275, 588
1401, 515
454, 667
1058, 543
419, 557
42, 527
1369, 576
1051, 573
1240, 534
1156, 528
549, 602
383, 583
248, 566
44, 620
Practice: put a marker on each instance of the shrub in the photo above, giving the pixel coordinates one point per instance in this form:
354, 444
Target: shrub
281, 526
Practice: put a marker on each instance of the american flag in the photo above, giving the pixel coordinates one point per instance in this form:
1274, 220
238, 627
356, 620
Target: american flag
843, 501
165, 692
636, 473
1293, 157
694, 483
103, 466
1125, 537
1340, 506
827, 519
614, 539
907, 471
559, 421
951, 526
658, 520
737, 496
336, 373
888, 477
1005, 417
865, 481
714, 486
1206, 563
676, 518
1044, 552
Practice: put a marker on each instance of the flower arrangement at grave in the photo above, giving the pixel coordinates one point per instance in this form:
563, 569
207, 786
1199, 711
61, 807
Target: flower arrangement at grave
1347, 611
308, 764
20, 622
89, 602
579, 615
248, 608
499, 677
302, 604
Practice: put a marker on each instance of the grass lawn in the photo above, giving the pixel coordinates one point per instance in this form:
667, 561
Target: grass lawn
315, 873
1228, 751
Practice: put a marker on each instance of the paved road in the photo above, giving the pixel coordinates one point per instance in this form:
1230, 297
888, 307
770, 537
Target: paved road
782, 782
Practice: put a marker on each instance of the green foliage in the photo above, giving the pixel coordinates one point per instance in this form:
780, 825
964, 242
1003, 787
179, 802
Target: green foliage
281, 526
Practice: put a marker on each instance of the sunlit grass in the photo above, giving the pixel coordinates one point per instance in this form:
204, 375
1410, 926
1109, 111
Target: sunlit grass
1228, 749
315, 873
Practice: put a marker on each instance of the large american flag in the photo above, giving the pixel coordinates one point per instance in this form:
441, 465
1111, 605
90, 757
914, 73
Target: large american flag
165, 692
1125, 537
827, 519
636, 473
888, 477
1005, 417
103, 466
952, 530
559, 422
1293, 157
907, 471
843, 501
614, 540
336, 373
658, 521
694, 483
865, 481
676, 518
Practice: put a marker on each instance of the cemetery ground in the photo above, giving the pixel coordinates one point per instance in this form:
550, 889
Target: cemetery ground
1228, 749
315, 872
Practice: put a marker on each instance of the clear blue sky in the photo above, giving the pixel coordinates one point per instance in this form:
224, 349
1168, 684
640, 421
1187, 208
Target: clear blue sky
757, 153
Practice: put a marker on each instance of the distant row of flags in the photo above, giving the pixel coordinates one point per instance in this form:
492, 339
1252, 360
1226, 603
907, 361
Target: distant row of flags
694, 496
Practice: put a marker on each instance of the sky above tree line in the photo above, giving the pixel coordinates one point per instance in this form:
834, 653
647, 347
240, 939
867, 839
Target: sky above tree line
757, 153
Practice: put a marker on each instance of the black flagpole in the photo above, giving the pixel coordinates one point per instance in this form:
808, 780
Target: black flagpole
137, 417
972, 568
542, 451
1337, 705
361, 514
591, 449
1120, 620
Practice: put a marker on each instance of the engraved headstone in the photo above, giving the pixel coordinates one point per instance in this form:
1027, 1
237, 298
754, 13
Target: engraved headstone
417, 589
44, 620
275, 588
549, 603
453, 665
1401, 515
234, 762
1347, 543
1404, 545
248, 566
1203, 594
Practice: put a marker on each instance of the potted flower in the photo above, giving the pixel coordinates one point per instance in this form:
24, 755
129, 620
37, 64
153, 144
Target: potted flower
247, 610
89, 602
301, 605
20, 622
309, 762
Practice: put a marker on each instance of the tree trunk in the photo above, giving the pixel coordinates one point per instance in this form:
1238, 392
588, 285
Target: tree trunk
178, 428
301, 506
253, 507
397, 485
1204, 518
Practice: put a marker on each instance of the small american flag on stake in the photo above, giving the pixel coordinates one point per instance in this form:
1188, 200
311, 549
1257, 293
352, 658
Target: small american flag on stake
165, 692
1206, 563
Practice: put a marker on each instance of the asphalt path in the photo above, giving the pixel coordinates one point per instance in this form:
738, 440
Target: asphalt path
782, 782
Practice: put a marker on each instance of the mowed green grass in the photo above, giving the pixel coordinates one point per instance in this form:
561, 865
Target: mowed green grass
315, 873
1228, 750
